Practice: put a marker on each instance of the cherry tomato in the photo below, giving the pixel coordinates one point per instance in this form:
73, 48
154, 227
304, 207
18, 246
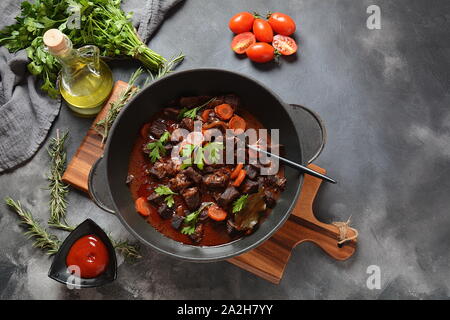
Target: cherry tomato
260, 52
284, 45
262, 30
241, 22
282, 24
242, 41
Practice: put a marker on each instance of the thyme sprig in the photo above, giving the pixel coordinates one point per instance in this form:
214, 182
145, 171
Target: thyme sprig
58, 189
42, 239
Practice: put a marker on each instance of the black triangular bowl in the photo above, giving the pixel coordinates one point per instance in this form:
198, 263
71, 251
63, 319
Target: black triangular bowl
58, 270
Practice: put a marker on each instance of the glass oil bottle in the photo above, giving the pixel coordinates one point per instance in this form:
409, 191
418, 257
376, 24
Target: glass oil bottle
85, 81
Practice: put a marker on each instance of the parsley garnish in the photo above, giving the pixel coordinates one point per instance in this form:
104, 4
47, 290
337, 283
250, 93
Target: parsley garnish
211, 150
192, 113
240, 203
190, 220
165, 191
157, 147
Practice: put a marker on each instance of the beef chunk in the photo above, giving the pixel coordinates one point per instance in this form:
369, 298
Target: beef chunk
231, 228
276, 182
164, 211
270, 197
177, 221
231, 99
252, 171
156, 198
181, 210
209, 169
193, 175
191, 197
197, 236
161, 169
228, 196
191, 102
179, 182
171, 113
157, 128
249, 186
187, 123
217, 180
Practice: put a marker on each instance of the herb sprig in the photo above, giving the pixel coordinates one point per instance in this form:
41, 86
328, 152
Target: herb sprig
208, 154
165, 191
104, 125
190, 220
42, 239
58, 189
240, 203
156, 148
192, 113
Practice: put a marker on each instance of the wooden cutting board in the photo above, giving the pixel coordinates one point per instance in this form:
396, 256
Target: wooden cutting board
267, 261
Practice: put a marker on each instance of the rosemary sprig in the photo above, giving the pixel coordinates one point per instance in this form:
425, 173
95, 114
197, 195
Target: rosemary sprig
58, 189
42, 239
128, 250
104, 125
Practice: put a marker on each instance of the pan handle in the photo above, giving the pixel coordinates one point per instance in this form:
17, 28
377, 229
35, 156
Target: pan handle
97, 186
312, 129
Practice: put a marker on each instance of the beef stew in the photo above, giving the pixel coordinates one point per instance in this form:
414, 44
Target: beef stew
204, 203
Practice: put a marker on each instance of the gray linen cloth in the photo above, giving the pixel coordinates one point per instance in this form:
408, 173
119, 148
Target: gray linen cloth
27, 113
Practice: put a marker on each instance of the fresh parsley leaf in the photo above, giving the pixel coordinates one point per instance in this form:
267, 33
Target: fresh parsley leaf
156, 148
198, 157
170, 201
165, 191
164, 137
212, 150
240, 203
191, 219
188, 229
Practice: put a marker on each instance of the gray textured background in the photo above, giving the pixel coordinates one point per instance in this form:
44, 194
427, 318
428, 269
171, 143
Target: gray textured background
384, 96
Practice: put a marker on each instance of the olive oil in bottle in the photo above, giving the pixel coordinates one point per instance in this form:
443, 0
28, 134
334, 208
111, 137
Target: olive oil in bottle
85, 81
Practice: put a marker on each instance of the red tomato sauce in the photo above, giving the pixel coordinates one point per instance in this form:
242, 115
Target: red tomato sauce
89, 253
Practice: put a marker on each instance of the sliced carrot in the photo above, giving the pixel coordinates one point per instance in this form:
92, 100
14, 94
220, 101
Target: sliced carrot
144, 130
237, 123
217, 213
205, 114
240, 178
143, 207
224, 111
236, 170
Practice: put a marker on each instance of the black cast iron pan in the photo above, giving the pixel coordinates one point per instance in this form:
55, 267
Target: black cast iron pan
107, 179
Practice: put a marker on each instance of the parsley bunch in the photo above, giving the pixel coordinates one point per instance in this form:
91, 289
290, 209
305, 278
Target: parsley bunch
102, 23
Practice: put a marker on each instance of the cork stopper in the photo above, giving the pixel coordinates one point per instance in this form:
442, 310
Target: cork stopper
55, 41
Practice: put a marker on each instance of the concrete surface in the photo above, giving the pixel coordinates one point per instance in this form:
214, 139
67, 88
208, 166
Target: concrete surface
384, 96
